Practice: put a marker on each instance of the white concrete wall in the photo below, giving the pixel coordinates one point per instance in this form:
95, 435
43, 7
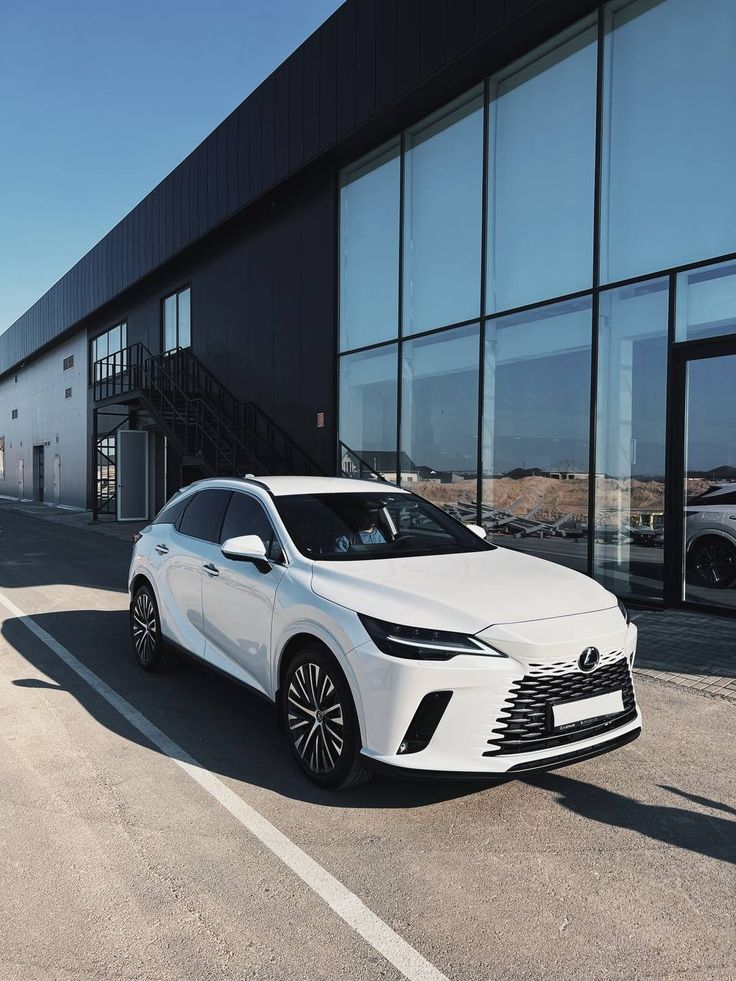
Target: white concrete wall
46, 418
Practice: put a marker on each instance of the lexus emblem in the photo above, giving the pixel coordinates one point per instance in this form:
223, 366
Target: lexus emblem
589, 659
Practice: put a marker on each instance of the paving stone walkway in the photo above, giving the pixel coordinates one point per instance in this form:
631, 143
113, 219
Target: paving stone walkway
694, 650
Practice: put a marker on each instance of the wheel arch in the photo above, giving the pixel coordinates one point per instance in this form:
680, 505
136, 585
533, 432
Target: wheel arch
293, 646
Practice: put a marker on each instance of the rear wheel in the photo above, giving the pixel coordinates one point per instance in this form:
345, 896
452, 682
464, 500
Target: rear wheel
145, 630
320, 720
712, 562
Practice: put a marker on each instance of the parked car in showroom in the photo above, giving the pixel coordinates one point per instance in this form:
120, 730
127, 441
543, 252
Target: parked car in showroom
710, 523
388, 634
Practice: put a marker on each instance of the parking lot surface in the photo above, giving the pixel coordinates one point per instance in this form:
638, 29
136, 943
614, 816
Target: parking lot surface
116, 862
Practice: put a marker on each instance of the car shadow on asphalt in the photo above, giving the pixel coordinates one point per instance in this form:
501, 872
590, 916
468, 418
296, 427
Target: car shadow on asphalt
225, 727
705, 834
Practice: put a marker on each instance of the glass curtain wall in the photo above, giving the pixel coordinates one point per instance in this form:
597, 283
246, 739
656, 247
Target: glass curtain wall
467, 335
669, 136
536, 427
541, 150
439, 417
630, 442
443, 217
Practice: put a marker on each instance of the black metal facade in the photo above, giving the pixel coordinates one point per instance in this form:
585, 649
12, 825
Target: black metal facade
371, 68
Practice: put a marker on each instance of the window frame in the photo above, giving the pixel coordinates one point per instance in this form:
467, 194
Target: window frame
259, 503
186, 287
123, 325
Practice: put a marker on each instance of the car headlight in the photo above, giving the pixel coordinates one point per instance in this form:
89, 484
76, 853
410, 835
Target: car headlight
418, 643
624, 612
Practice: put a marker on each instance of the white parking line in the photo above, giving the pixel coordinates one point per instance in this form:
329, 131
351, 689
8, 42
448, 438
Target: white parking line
338, 897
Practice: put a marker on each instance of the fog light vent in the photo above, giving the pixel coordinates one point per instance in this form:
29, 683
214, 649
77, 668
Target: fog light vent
424, 724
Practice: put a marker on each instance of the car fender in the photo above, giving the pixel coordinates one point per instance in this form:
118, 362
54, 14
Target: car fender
290, 620
712, 531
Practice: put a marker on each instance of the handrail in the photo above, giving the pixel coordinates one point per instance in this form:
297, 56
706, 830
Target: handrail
362, 467
136, 369
226, 432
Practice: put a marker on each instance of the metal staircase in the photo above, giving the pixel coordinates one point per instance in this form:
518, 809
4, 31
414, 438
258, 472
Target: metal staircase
206, 424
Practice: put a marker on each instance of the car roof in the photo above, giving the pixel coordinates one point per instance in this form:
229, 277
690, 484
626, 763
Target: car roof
282, 486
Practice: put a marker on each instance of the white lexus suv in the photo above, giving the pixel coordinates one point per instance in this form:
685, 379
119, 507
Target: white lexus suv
388, 634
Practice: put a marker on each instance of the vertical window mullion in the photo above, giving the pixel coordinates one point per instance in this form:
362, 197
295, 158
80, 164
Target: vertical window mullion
400, 344
596, 291
483, 286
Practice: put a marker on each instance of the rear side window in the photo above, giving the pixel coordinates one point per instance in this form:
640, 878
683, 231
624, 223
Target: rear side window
203, 517
246, 516
171, 513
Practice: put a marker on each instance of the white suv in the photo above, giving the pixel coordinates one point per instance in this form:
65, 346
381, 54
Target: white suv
388, 634
711, 537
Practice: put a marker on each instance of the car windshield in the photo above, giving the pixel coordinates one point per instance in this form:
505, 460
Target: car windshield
345, 527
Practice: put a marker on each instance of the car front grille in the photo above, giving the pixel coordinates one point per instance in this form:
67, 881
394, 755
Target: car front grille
525, 723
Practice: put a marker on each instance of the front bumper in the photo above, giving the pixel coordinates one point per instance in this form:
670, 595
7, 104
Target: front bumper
473, 736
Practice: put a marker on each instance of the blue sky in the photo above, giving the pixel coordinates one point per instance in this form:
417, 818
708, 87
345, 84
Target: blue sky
100, 100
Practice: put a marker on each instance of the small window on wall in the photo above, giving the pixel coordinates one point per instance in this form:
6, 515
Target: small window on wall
14, 414
67, 393
2, 458
177, 327
69, 362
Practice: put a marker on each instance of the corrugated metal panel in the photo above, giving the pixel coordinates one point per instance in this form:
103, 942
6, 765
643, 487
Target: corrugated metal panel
362, 62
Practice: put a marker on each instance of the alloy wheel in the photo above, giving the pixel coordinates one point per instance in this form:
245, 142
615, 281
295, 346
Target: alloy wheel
145, 628
315, 718
714, 564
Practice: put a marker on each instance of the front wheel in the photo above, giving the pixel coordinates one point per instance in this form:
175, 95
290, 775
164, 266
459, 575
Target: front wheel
320, 720
712, 562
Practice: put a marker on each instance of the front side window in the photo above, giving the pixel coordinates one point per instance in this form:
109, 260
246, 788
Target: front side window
177, 320
351, 527
203, 518
245, 516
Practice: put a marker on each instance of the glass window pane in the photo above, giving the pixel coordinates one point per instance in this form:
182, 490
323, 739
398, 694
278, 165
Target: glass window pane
113, 339
536, 431
439, 417
710, 482
369, 249
185, 319
668, 193
630, 442
203, 517
541, 175
368, 411
442, 217
170, 338
706, 302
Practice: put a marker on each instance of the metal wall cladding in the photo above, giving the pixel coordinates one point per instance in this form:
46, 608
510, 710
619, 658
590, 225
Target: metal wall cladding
377, 61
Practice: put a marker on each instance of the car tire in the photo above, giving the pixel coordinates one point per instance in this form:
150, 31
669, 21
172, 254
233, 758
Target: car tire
712, 562
320, 721
151, 652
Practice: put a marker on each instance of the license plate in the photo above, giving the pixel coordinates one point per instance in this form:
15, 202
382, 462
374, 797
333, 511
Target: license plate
567, 715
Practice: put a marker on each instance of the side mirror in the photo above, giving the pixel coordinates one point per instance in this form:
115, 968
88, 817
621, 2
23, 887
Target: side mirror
477, 530
247, 548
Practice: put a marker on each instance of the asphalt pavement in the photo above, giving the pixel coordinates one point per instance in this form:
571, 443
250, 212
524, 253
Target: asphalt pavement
120, 858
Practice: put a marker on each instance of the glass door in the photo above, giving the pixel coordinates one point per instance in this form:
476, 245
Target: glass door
709, 460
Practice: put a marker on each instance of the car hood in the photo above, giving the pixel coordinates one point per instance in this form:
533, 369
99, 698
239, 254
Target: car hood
466, 592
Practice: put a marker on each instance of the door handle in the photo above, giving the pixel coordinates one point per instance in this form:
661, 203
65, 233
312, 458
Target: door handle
211, 570
162, 549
